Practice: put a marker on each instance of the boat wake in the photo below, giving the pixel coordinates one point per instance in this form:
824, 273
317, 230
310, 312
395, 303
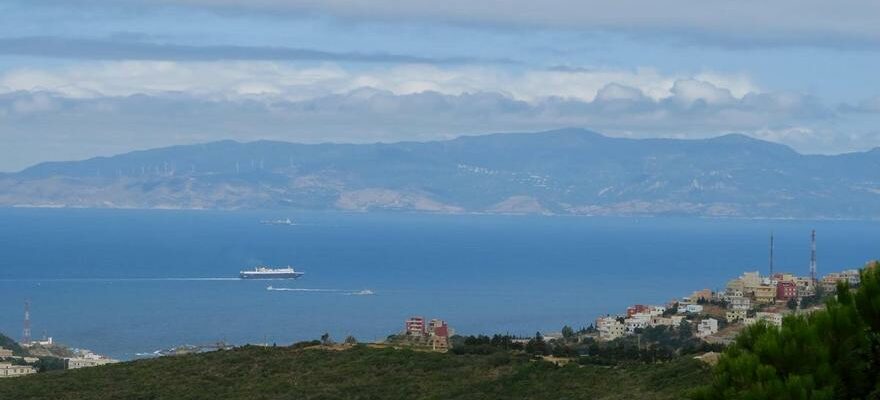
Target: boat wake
118, 279
347, 292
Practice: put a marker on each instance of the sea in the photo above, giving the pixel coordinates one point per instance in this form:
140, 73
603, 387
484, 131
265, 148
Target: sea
129, 282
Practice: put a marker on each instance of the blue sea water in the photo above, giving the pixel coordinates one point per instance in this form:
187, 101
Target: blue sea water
123, 282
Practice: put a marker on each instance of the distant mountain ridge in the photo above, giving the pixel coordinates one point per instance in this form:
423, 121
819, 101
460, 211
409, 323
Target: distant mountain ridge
568, 171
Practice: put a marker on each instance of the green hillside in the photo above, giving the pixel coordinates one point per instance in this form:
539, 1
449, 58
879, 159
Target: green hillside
358, 373
9, 343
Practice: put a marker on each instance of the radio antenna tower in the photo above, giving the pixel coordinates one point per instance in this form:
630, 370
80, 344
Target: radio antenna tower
771, 255
26, 332
813, 256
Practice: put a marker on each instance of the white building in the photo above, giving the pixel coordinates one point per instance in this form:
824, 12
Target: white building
852, 277
690, 308
85, 359
737, 303
657, 310
707, 327
637, 321
8, 370
45, 343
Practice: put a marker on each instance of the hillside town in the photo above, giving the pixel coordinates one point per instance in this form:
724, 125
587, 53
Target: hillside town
718, 316
714, 317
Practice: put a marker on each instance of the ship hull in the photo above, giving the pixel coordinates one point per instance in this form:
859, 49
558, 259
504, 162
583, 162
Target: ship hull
270, 275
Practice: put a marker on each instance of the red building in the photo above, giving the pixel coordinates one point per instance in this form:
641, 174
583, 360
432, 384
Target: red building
786, 290
415, 326
635, 309
438, 327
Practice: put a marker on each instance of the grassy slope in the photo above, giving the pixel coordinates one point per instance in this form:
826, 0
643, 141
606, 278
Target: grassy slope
361, 373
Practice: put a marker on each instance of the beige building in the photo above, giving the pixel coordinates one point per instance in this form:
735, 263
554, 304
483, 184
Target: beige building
661, 321
785, 277
764, 294
5, 353
750, 280
74, 363
736, 315
735, 288
610, 328
805, 286
773, 319
8, 370
704, 295
439, 343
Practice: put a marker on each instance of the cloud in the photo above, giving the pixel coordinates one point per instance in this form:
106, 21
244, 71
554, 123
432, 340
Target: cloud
690, 91
286, 81
88, 126
123, 48
750, 22
99, 108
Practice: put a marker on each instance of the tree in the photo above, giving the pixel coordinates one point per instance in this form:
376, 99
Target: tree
567, 332
684, 330
537, 346
792, 304
831, 354
325, 339
350, 340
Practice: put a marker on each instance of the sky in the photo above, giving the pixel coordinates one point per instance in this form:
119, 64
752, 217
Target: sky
86, 78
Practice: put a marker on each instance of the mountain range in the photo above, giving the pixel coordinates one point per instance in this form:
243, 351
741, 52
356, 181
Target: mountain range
568, 171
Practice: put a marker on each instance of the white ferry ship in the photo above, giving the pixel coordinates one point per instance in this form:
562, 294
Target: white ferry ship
286, 221
263, 272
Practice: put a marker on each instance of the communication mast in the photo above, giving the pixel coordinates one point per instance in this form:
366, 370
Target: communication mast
771, 255
26, 332
813, 256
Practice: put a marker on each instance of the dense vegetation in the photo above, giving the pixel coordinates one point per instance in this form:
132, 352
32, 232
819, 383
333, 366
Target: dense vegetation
358, 373
8, 343
649, 345
831, 354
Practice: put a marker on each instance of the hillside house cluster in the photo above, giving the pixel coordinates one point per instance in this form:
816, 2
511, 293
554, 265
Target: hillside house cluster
85, 359
638, 316
434, 333
743, 300
850, 276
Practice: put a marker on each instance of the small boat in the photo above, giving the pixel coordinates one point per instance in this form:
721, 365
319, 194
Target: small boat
286, 221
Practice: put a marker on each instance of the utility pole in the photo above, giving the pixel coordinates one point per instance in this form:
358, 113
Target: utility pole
26, 332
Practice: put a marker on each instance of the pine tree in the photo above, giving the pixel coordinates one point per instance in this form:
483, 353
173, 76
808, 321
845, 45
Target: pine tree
830, 354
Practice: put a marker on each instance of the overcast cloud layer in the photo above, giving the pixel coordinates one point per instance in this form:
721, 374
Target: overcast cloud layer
85, 78
780, 22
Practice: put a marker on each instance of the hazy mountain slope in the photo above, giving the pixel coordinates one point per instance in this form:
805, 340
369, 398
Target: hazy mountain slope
566, 171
